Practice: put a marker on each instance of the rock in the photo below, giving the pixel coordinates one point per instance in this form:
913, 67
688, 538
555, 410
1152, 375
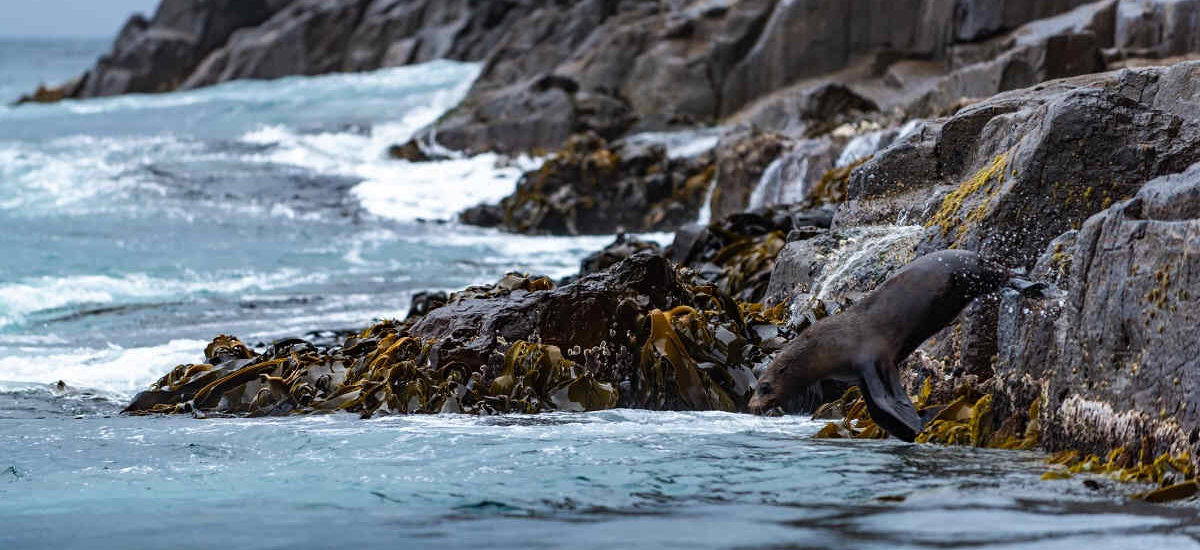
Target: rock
622, 248
413, 151
639, 334
424, 302
158, 55
976, 19
741, 159
1007, 175
309, 37
826, 272
738, 253
788, 179
1158, 28
591, 187
1114, 357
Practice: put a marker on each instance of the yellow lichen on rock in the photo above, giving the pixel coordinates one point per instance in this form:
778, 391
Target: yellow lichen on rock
949, 216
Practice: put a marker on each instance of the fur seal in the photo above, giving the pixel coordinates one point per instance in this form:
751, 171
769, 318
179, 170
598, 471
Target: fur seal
864, 344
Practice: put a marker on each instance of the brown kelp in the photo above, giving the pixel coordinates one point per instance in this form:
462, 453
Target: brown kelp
643, 333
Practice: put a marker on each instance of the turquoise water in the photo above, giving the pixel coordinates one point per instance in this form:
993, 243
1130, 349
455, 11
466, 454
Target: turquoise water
134, 229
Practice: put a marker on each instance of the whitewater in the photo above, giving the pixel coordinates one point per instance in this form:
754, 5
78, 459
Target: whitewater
135, 229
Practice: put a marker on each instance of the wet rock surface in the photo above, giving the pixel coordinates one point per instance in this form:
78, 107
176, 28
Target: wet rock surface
639, 334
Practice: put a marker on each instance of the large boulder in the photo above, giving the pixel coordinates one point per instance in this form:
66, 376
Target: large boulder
1115, 355
639, 334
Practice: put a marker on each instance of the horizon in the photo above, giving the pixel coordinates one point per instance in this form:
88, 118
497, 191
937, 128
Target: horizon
66, 19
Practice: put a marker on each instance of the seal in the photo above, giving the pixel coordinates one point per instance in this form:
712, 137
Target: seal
864, 344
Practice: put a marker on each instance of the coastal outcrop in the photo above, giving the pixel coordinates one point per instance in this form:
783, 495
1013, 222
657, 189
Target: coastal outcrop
642, 333
594, 187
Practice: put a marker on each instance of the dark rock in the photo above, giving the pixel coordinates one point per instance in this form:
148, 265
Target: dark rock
1158, 28
591, 187
308, 37
158, 55
413, 151
624, 247
829, 270
580, 314
424, 302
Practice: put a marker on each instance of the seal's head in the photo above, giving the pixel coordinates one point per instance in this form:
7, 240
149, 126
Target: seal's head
784, 378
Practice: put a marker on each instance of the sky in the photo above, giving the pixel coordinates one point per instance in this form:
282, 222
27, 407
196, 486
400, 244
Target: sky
62, 18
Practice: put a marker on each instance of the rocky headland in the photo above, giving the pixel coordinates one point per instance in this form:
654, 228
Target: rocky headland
1058, 137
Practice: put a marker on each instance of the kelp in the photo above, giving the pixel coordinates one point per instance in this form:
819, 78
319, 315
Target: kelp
696, 355
968, 420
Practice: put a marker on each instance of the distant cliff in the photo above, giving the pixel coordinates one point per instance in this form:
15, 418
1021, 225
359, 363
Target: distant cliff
554, 68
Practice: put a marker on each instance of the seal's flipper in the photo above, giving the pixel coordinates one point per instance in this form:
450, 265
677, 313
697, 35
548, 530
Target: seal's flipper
887, 402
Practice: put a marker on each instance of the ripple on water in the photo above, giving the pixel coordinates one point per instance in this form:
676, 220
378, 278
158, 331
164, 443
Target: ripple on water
595, 480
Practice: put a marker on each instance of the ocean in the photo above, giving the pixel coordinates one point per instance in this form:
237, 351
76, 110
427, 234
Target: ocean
135, 229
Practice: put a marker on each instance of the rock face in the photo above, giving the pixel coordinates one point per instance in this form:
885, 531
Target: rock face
1115, 355
591, 187
1008, 175
553, 69
158, 55
1090, 183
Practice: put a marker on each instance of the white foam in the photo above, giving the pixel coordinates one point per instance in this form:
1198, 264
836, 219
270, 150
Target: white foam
65, 175
116, 370
437, 190
282, 93
17, 300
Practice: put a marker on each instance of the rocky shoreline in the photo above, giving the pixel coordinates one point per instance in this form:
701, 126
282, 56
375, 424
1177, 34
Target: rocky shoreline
1061, 138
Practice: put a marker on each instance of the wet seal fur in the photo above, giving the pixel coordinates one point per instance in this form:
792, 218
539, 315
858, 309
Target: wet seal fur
864, 344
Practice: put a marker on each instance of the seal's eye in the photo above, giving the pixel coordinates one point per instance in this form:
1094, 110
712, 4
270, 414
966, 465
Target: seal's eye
765, 388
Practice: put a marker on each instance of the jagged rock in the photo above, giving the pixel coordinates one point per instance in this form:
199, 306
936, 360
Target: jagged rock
308, 37
158, 55
591, 187
738, 253
1158, 28
584, 313
413, 151
1115, 356
826, 272
788, 179
424, 302
641, 333
1007, 175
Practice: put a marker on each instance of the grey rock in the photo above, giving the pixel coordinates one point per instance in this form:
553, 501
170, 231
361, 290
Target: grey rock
1116, 355
1009, 174
742, 158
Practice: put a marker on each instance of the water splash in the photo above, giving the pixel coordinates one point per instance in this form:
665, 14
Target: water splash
863, 258
785, 181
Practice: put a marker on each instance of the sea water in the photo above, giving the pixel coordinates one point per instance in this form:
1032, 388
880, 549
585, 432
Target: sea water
134, 229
